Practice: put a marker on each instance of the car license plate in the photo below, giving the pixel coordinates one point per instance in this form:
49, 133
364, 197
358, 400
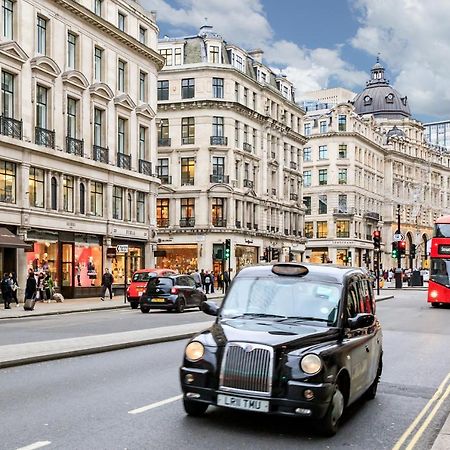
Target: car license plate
249, 404
158, 300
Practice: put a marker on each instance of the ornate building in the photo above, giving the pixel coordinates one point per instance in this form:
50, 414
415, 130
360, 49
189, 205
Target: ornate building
78, 138
229, 157
367, 164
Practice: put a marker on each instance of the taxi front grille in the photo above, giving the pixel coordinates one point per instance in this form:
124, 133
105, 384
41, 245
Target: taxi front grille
247, 368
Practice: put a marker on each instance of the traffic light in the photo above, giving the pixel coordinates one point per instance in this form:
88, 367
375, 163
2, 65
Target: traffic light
365, 257
275, 254
413, 251
401, 247
376, 235
266, 254
395, 250
291, 257
227, 248
323, 257
349, 257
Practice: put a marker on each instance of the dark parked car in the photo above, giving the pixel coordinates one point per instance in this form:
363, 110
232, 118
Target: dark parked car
289, 339
174, 292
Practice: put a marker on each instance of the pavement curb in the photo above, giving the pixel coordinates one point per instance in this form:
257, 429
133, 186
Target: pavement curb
442, 441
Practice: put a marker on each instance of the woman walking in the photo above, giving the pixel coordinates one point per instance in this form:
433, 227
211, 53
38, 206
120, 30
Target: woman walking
30, 289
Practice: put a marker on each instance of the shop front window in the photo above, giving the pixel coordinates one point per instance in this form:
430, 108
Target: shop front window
88, 264
245, 256
134, 262
182, 258
44, 258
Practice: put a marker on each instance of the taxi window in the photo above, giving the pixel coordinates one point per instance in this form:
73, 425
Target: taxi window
353, 298
141, 276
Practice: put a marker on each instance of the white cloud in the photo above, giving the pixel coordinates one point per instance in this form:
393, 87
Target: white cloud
244, 23
413, 38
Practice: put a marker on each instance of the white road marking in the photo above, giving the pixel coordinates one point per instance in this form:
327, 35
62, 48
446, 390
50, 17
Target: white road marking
35, 445
155, 405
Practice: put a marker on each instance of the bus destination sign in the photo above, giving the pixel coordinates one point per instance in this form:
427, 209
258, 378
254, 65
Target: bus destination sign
444, 249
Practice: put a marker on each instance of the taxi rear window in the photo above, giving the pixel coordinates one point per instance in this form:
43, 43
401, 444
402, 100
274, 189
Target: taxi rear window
142, 276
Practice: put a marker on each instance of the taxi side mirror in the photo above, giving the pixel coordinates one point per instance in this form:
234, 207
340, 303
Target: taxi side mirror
210, 308
361, 320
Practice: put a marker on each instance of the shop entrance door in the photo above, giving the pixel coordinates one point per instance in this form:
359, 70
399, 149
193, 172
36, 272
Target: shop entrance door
67, 270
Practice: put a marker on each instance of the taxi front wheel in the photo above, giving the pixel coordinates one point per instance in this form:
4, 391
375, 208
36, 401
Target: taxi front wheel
329, 424
194, 408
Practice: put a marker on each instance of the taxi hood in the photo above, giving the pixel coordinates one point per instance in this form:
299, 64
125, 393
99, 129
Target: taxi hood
292, 335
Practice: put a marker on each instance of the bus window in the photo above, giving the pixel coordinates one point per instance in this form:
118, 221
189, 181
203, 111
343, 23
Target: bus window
440, 270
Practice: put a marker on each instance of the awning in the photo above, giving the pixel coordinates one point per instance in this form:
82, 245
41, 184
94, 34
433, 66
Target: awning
10, 240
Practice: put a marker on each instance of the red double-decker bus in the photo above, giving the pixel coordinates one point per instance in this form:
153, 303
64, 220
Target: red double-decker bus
439, 284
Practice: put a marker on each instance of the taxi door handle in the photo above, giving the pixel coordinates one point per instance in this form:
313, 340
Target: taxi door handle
367, 349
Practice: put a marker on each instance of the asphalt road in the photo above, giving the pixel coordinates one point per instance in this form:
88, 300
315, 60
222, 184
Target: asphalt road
84, 403
46, 328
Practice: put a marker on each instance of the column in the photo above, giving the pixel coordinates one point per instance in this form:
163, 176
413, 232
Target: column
76, 195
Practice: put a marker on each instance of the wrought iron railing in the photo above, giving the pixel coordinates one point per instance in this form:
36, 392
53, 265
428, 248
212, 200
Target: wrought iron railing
238, 224
219, 222
11, 127
249, 225
371, 215
74, 146
44, 137
274, 191
123, 161
293, 197
100, 154
145, 167
344, 211
218, 140
164, 142
165, 179
247, 147
187, 181
293, 165
187, 222
248, 183
162, 223
273, 155
214, 178
188, 140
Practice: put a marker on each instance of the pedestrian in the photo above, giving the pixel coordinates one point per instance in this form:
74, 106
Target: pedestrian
40, 290
5, 287
390, 275
213, 278
78, 273
14, 287
107, 281
202, 277
220, 281
48, 286
226, 280
207, 282
31, 286
197, 278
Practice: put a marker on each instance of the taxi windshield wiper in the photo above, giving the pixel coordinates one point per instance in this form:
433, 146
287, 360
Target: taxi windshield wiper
257, 316
303, 318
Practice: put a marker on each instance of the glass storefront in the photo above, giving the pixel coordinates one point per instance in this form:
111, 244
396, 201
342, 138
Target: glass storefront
245, 256
45, 258
135, 260
87, 264
319, 256
182, 258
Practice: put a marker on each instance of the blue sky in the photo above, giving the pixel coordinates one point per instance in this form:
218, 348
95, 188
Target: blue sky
328, 43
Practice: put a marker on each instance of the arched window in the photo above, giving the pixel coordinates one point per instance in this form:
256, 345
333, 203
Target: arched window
54, 194
129, 206
82, 199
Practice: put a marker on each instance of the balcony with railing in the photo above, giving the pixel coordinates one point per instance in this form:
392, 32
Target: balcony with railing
274, 191
100, 154
219, 222
44, 137
293, 165
187, 222
145, 167
188, 140
162, 222
249, 225
214, 178
238, 224
74, 146
248, 184
247, 147
344, 212
286, 232
293, 197
218, 140
255, 226
164, 142
273, 155
165, 179
186, 181
123, 161
343, 234
371, 215
11, 127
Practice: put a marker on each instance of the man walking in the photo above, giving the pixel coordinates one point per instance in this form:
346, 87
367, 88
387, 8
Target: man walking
207, 282
107, 281
226, 280
5, 287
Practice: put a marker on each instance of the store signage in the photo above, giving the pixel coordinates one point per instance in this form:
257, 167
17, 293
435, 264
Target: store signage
444, 249
123, 248
111, 252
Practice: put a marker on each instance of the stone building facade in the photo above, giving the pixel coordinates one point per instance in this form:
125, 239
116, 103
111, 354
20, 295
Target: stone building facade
229, 157
78, 138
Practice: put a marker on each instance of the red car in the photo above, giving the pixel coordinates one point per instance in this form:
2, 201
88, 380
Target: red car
139, 283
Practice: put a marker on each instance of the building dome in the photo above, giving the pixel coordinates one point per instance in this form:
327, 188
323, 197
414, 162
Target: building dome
380, 99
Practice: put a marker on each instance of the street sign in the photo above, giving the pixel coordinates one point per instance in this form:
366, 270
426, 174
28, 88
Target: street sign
122, 248
399, 237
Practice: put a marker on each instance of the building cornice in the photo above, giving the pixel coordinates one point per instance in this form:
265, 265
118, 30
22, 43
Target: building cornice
106, 27
340, 134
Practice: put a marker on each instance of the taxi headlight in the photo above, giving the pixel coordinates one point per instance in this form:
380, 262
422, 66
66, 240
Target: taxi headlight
311, 364
194, 351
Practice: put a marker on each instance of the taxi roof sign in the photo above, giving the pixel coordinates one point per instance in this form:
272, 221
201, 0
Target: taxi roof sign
289, 269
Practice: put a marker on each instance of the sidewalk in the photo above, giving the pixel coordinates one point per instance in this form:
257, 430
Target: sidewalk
71, 306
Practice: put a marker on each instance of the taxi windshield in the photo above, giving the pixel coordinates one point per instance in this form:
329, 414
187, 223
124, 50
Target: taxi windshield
282, 299
141, 276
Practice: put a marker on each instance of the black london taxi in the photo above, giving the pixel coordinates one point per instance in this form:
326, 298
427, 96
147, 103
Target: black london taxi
289, 339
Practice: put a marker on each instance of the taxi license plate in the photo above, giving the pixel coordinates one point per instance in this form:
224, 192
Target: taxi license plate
158, 300
249, 404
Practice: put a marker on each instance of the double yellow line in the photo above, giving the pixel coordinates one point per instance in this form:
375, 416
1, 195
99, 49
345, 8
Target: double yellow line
413, 433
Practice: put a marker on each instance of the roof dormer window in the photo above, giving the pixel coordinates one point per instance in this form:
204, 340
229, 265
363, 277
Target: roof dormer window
367, 100
390, 98
214, 54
